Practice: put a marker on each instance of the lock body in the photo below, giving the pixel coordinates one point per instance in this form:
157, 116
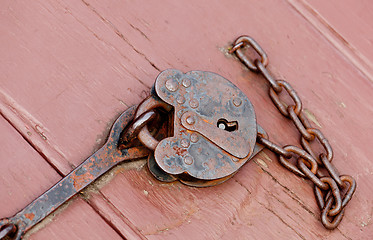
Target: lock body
214, 127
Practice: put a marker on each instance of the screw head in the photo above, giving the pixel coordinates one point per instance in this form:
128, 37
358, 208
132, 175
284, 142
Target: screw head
172, 85
184, 143
193, 103
186, 82
194, 137
237, 101
180, 99
190, 120
188, 160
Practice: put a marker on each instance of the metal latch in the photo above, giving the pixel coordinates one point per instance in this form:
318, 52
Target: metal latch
196, 127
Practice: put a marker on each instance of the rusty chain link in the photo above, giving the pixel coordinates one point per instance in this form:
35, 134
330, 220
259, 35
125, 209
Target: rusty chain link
331, 192
7, 230
132, 131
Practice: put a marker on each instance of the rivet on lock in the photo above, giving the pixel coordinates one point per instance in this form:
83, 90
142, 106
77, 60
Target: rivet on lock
214, 128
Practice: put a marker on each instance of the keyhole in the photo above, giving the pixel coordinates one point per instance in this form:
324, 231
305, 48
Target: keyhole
227, 126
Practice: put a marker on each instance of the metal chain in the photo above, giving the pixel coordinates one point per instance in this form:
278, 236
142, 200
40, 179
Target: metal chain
332, 192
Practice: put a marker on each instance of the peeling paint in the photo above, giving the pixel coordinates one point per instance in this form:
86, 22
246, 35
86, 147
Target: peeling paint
30, 216
311, 117
261, 162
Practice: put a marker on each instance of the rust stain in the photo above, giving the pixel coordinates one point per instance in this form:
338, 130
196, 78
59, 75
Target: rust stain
81, 180
180, 151
30, 216
207, 121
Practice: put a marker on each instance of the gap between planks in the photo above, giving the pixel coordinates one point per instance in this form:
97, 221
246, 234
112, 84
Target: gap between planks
32, 131
351, 53
24, 123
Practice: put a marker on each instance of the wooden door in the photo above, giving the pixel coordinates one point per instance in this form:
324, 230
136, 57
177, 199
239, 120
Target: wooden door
69, 68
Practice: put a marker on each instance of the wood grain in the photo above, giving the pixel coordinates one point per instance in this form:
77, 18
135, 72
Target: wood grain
24, 175
77, 221
346, 24
71, 69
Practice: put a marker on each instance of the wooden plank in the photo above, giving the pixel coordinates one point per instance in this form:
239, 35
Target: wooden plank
346, 24
77, 221
257, 208
38, 74
313, 67
57, 82
24, 175
351, 19
90, 60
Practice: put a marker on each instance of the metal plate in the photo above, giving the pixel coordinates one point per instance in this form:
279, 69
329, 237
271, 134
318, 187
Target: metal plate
203, 101
161, 175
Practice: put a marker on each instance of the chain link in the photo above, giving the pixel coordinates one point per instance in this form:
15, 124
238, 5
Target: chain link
7, 230
133, 129
332, 192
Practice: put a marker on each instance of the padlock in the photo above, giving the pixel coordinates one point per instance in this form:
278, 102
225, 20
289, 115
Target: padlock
214, 128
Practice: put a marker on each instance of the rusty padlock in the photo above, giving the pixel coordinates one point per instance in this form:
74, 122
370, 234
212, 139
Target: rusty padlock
214, 128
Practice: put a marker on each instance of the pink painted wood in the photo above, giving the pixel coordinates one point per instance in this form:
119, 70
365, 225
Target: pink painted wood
70, 68
347, 24
24, 175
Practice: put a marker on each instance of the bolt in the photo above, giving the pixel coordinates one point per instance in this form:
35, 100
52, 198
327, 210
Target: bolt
188, 160
186, 82
180, 99
237, 101
190, 120
194, 137
184, 143
222, 126
172, 85
193, 103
